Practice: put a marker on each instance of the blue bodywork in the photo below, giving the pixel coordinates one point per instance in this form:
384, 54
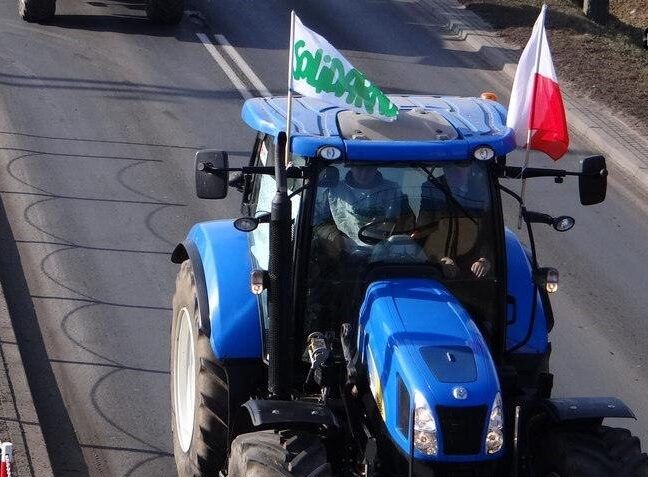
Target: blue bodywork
521, 288
233, 309
478, 122
409, 326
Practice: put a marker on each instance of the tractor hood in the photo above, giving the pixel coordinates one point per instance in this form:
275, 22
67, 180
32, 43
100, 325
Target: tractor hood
418, 342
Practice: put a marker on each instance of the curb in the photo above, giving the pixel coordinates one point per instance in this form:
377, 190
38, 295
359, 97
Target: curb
623, 145
18, 419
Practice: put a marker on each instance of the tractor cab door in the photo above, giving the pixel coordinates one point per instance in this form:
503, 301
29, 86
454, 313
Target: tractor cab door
258, 202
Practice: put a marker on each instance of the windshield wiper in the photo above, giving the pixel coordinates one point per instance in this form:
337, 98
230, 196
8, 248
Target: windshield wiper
447, 193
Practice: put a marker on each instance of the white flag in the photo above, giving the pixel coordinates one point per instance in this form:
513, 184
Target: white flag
320, 71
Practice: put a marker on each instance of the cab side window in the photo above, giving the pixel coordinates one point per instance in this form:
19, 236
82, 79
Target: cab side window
263, 191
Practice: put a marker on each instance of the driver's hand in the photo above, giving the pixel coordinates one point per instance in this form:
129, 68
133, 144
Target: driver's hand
449, 267
481, 267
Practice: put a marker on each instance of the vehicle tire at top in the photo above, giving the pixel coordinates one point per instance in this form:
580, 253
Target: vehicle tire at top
36, 10
165, 12
597, 451
278, 454
198, 387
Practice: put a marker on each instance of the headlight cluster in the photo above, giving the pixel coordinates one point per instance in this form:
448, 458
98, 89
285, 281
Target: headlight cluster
495, 434
425, 428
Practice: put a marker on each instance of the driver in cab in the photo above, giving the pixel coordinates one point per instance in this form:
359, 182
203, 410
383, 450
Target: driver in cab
457, 239
362, 198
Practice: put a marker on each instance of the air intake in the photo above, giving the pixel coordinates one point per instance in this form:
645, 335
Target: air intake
462, 429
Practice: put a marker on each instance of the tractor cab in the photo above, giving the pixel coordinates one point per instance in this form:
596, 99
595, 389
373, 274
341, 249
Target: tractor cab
369, 314
376, 219
372, 199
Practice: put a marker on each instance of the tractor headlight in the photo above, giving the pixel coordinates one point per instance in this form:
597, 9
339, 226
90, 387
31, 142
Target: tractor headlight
495, 434
425, 428
484, 153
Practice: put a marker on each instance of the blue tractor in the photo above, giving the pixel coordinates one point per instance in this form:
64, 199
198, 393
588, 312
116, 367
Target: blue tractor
370, 314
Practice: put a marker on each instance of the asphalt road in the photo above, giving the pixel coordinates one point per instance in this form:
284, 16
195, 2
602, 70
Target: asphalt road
100, 115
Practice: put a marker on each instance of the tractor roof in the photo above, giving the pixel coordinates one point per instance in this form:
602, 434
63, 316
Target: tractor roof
428, 127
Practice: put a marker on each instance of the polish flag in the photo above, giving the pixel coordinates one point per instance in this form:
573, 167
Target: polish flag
536, 103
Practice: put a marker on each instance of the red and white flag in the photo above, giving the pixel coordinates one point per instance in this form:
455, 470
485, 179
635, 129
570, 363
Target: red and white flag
536, 103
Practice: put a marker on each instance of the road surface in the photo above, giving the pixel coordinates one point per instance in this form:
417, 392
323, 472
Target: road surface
100, 116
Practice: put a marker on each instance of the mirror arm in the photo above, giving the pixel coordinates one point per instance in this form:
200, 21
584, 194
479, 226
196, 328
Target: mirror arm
292, 172
537, 217
514, 172
209, 168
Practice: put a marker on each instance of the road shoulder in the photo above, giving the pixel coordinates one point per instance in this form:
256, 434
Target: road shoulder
19, 422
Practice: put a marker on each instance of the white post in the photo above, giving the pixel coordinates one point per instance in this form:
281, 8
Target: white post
291, 59
528, 145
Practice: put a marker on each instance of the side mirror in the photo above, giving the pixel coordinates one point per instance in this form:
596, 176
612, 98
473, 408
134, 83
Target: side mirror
211, 174
592, 183
329, 177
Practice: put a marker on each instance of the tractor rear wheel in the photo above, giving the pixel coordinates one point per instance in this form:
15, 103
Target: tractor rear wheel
36, 10
165, 12
597, 451
196, 391
278, 454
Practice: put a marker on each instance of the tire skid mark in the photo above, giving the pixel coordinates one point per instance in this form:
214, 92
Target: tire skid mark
111, 422
149, 227
58, 282
26, 217
142, 463
122, 181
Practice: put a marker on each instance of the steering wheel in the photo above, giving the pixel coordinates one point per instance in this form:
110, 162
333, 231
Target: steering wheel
367, 235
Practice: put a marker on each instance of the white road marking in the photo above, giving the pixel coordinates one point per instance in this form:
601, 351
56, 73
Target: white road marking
245, 68
231, 74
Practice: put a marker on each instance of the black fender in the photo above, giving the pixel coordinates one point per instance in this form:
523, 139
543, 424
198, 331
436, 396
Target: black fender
187, 250
275, 414
572, 409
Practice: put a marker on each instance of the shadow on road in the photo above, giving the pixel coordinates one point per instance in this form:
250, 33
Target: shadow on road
62, 444
395, 29
119, 89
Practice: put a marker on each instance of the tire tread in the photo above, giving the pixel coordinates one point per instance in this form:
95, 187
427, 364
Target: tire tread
595, 452
278, 454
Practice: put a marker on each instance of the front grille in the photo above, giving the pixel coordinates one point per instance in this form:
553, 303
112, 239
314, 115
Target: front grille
462, 429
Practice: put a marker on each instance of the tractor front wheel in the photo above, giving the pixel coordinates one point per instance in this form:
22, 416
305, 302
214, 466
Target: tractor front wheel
596, 451
197, 393
278, 454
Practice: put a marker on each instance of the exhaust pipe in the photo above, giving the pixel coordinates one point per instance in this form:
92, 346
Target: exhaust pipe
279, 271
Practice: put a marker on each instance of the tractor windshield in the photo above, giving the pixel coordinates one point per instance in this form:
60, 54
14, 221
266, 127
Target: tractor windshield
434, 216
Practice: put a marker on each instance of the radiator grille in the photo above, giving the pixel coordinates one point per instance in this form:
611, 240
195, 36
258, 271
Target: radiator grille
462, 429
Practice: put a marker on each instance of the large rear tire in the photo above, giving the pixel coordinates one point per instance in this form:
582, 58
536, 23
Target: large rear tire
597, 451
278, 454
36, 10
199, 439
165, 12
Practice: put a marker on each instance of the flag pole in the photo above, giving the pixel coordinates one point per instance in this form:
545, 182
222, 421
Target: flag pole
291, 59
528, 144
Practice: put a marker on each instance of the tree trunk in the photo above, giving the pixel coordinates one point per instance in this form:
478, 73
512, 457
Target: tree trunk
597, 10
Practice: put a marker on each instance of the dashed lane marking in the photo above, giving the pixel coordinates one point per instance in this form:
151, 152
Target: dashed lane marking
227, 69
243, 66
